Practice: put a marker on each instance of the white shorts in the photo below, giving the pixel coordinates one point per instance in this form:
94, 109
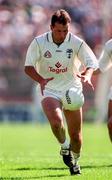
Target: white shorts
110, 93
71, 99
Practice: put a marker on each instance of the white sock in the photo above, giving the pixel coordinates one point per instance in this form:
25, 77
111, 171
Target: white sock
65, 145
76, 157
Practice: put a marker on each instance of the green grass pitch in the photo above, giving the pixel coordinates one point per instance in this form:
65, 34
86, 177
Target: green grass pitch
30, 151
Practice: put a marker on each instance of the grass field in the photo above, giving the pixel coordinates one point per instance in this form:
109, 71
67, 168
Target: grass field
31, 152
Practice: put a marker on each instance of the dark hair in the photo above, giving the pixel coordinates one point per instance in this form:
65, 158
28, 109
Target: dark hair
61, 16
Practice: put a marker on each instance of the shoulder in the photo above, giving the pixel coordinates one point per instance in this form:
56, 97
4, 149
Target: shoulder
41, 38
109, 43
37, 41
76, 39
108, 46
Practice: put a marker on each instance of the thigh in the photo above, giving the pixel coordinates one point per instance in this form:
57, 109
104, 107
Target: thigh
53, 109
74, 120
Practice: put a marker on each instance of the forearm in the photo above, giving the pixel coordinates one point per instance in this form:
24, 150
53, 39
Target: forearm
30, 71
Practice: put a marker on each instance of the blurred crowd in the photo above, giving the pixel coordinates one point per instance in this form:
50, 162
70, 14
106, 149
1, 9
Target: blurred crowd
22, 20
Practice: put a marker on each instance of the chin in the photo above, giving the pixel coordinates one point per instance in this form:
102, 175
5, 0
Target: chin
61, 41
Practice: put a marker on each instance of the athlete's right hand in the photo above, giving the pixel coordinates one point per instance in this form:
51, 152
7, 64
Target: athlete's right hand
43, 84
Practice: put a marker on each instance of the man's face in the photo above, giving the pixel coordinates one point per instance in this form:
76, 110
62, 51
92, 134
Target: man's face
59, 32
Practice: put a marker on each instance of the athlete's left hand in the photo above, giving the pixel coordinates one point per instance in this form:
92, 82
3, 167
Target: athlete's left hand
86, 79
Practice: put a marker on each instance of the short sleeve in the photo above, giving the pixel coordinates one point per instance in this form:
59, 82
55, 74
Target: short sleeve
105, 60
33, 54
87, 57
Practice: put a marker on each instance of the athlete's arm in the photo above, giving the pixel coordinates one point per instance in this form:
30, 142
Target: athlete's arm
86, 76
105, 62
30, 71
32, 57
87, 57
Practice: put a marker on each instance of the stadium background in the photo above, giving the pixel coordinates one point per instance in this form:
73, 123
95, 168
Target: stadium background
20, 22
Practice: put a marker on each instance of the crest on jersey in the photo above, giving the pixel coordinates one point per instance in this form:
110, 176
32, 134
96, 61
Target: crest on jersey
47, 54
69, 53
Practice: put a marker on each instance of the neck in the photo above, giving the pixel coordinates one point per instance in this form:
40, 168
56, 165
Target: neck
55, 41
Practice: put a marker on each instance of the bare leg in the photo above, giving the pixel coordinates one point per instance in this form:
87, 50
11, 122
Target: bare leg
74, 122
53, 110
110, 119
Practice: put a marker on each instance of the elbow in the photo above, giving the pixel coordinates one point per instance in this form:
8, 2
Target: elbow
29, 70
26, 69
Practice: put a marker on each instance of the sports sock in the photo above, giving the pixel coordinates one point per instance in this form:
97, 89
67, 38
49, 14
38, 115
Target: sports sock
76, 157
65, 145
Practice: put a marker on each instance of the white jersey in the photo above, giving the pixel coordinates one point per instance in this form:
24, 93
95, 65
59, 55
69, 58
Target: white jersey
51, 60
110, 93
105, 60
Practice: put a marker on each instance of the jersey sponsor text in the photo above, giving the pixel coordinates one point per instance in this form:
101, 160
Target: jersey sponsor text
57, 70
